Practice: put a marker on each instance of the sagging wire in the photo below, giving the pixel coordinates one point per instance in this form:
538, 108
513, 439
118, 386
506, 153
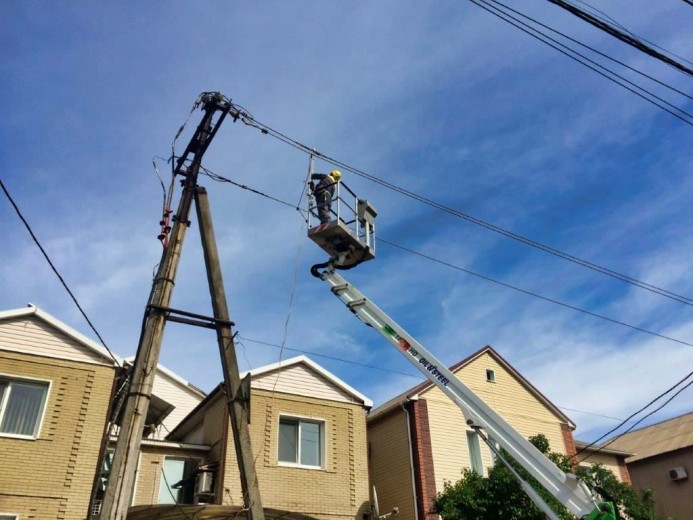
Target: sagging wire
311, 163
167, 211
470, 218
219, 178
175, 500
602, 446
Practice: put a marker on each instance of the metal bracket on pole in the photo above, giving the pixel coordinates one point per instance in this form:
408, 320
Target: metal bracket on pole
199, 320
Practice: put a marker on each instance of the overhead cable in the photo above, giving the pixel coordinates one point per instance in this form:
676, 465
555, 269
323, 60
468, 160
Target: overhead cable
531, 293
487, 278
621, 26
670, 389
465, 216
57, 273
596, 51
634, 42
623, 422
574, 55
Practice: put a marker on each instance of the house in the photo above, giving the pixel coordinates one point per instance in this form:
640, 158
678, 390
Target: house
606, 456
308, 432
56, 390
419, 440
662, 460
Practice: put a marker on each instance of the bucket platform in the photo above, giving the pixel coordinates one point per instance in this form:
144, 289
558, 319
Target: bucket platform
349, 237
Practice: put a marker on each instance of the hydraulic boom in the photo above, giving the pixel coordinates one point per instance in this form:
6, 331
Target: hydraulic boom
570, 491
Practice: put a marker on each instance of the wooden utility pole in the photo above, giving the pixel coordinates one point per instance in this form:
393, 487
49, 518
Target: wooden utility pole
237, 398
118, 493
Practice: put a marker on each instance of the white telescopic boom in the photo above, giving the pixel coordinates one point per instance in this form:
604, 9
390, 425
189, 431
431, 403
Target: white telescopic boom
567, 489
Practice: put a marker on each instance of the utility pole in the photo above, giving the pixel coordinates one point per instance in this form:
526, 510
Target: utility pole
118, 493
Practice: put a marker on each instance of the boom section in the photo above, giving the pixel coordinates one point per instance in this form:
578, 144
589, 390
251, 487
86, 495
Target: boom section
567, 489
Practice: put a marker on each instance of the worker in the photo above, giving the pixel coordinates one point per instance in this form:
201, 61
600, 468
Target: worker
324, 192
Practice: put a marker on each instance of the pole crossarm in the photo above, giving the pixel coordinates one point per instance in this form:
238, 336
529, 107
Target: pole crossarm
199, 320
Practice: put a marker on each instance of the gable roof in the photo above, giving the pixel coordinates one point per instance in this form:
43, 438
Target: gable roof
415, 392
33, 311
312, 365
663, 437
268, 370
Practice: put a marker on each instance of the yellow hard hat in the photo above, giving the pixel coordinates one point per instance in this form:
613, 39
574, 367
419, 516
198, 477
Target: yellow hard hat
336, 174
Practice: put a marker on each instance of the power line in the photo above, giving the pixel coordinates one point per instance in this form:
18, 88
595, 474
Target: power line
487, 278
621, 26
636, 413
465, 216
531, 293
666, 85
341, 360
623, 422
55, 270
502, 15
374, 367
634, 42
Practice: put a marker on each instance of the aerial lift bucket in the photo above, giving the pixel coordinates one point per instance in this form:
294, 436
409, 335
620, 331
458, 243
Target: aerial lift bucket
349, 237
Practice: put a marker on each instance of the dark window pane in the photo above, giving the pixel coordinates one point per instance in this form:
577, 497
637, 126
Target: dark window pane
288, 441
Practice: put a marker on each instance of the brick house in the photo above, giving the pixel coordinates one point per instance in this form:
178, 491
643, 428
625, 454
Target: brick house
55, 390
56, 387
419, 439
308, 432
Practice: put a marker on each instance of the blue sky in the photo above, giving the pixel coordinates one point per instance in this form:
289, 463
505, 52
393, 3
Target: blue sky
442, 99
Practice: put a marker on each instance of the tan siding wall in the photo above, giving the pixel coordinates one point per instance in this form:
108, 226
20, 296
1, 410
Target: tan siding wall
507, 396
30, 335
608, 461
390, 467
340, 490
184, 401
51, 477
301, 380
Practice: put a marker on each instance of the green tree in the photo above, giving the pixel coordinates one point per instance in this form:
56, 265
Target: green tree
500, 497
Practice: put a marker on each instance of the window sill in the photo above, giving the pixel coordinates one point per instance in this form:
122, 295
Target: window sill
19, 437
299, 466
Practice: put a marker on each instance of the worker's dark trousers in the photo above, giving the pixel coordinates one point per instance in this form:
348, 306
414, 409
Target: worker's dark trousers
323, 200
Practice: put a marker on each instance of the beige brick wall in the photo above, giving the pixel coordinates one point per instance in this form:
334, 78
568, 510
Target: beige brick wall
339, 490
149, 471
50, 478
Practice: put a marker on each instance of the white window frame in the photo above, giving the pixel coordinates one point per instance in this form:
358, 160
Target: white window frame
46, 396
476, 461
323, 436
10, 516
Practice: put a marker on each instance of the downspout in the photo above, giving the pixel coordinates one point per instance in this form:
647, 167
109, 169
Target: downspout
411, 458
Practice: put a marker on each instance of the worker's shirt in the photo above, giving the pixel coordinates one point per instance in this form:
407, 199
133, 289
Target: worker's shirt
326, 182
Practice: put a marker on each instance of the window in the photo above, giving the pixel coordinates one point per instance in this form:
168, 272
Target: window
8, 516
177, 481
21, 406
490, 376
475, 452
301, 442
